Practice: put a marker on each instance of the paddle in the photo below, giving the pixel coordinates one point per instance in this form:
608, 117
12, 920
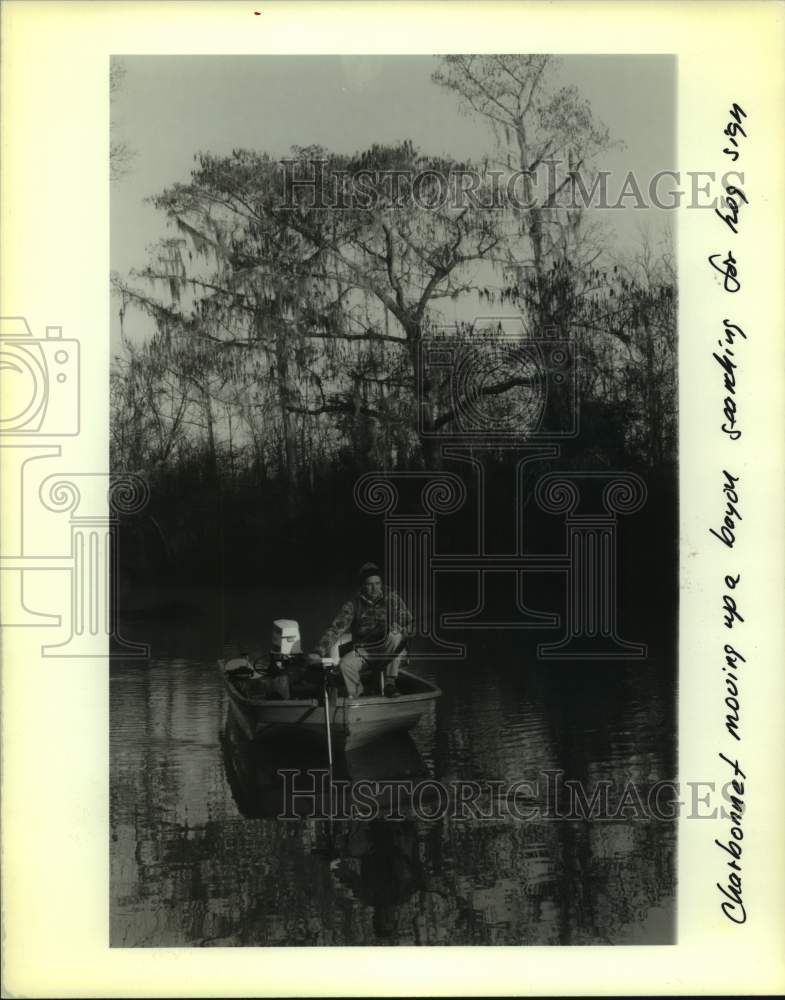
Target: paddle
326, 664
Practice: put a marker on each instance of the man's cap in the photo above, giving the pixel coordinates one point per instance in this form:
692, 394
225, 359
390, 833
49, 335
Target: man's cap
368, 569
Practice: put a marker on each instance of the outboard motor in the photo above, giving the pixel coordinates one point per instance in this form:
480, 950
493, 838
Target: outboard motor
284, 649
285, 642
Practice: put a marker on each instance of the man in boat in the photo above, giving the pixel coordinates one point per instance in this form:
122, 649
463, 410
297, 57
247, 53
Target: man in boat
378, 624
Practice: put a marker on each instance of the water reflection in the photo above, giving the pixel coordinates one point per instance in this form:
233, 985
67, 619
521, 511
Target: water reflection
293, 779
379, 864
198, 857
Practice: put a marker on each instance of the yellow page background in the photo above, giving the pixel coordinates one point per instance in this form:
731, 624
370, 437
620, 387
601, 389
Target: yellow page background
55, 215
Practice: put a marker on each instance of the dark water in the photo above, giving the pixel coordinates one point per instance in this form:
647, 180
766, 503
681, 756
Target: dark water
197, 857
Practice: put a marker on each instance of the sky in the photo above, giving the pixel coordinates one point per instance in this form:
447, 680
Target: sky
169, 108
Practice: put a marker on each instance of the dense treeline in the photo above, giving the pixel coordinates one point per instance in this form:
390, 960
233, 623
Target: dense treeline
270, 347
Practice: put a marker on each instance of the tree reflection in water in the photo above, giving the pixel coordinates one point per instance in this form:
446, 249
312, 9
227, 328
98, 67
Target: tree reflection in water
198, 857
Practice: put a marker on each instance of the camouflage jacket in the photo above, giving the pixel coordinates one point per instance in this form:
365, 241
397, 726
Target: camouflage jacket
367, 621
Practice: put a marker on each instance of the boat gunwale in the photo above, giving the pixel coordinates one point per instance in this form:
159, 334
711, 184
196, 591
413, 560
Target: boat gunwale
340, 702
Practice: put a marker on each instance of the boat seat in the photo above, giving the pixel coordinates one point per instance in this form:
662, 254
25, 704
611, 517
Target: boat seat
343, 642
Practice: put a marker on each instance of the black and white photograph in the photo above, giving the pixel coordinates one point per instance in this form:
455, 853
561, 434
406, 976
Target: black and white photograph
394, 350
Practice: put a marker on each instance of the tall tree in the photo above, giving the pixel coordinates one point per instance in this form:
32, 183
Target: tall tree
546, 141
403, 236
336, 294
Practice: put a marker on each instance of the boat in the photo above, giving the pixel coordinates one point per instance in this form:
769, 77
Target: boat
354, 722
